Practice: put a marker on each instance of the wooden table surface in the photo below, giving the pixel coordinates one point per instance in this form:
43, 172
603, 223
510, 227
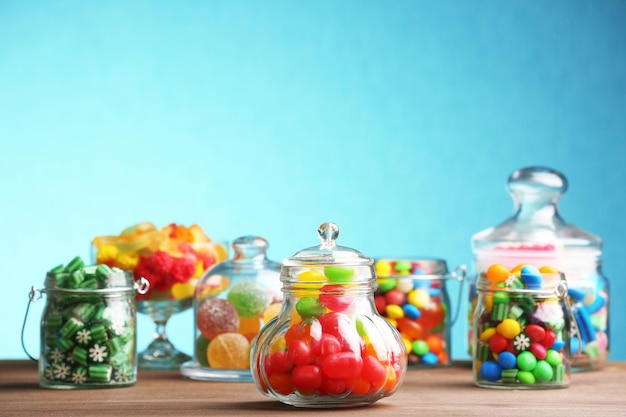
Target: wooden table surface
431, 392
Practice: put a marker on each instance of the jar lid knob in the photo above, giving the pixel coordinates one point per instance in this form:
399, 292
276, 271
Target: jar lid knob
328, 233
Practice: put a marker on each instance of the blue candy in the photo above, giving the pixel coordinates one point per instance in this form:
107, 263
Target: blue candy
585, 326
576, 294
491, 371
596, 305
411, 311
531, 277
507, 360
559, 344
430, 358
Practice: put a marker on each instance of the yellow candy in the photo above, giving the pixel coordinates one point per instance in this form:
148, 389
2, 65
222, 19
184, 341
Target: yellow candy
419, 298
394, 311
106, 254
182, 290
407, 343
271, 312
548, 270
487, 333
509, 328
128, 261
383, 268
309, 281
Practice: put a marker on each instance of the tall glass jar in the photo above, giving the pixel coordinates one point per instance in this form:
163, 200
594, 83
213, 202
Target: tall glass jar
537, 234
328, 347
521, 329
232, 301
88, 327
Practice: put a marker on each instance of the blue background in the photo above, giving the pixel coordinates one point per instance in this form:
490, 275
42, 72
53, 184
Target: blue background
400, 121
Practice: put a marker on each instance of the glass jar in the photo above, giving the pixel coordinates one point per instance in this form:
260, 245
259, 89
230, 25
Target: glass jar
522, 325
328, 347
88, 327
232, 301
412, 295
537, 234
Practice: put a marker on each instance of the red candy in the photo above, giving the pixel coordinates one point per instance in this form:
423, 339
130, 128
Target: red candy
538, 350
497, 343
334, 297
306, 377
535, 332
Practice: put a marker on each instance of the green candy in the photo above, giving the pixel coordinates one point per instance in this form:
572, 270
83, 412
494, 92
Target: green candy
75, 264
526, 361
420, 347
500, 297
543, 371
339, 274
403, 266
386, 284
100, 373
553, 357
249, 299
309, 307
526, 377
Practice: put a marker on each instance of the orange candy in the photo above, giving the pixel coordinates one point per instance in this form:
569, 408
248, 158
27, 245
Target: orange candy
229, 351
435, 344
498, 273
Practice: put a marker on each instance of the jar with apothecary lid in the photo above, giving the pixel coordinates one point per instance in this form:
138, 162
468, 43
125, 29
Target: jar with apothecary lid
88, 327
521, 328
328, 347
538, 235
412, 294
232, 301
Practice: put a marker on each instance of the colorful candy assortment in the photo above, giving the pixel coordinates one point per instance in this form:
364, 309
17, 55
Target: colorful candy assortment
88, 336
171, 258
417, 307
330, 349
521, 328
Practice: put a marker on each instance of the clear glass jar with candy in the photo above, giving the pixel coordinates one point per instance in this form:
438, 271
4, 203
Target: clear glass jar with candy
88, 327
412, 295
521, 329
328, 347
232, 301
538, 235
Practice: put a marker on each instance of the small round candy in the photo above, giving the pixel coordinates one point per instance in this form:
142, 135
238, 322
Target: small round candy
386, 284
497, 273
248, 298
411, 311
535, 332
419, 298
395, 296
538, 350
383, 268
507, 360
509, 328
553, 357
403, 266
490, 371
309, 307
420, 347
497, 343
229, 351
216, 316
526, 377
404, 285
394, 311
339, 274
531, 277
543, 371
526, 361
430, 358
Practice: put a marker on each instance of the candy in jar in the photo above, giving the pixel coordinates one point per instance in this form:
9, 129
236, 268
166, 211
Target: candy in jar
232, 301
521, 330
538, 235
88, 328
412, 295
328, 347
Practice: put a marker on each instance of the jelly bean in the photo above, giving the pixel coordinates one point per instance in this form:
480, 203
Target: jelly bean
531, 277
373, 371
340, 326
526, 361
299, 353
535, 332
509, 328
412, 329
538, 350
277, 362
395, 297
543, 371
339, 274
431, 315
497, 273
342, 365
411, 311
308, 307
334, 297
526, 377
326, 345
497, 343
419, 298
507, 360
306, 377
490, 371
281, 383
332, 386
403, 266
216, 316
435, 344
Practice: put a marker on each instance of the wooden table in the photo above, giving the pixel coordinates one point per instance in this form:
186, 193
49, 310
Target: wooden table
432, 392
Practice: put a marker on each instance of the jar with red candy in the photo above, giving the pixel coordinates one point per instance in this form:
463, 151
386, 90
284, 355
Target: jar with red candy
328, 347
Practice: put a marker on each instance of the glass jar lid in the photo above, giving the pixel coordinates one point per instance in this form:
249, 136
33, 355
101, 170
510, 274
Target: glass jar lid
536, 224
328, 252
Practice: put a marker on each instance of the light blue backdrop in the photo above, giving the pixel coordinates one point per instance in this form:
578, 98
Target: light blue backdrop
398, 120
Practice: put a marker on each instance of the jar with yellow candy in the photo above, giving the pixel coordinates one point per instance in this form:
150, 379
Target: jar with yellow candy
172, 259
232, 301
328, 347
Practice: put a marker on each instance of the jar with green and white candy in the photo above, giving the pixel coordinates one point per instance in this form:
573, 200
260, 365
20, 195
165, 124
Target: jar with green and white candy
88, 327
